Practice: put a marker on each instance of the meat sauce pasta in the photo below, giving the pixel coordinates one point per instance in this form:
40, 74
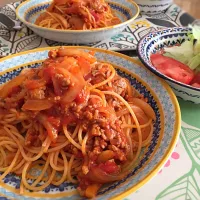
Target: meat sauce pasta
74, 117
77, 15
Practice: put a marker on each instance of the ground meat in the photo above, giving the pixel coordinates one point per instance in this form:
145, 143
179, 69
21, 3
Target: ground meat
117, 104
31, 138
97, 150
2, 103
98, 79
95, 130
9, 103
64, 82
38, 93
97, 141
119, 86
103, 144
71, 149
88, 115
109, 138
119, 154
85, 169
94, 103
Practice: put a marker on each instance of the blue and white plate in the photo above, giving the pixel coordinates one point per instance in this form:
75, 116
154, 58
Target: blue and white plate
165, 134
28, 11
155, 42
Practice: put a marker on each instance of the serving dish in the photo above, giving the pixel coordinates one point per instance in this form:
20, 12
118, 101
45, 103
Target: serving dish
28, 11
155, 42
165, 134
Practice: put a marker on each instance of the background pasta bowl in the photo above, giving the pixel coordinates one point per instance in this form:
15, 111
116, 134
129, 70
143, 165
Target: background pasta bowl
157, 41
166, 127
28, 11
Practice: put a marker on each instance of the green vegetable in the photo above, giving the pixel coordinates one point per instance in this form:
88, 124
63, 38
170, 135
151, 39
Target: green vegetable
189, 51
194, 62
181, 53
196, 40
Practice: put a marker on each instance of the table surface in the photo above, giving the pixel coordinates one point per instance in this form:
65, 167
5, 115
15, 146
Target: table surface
191, 6
180, 177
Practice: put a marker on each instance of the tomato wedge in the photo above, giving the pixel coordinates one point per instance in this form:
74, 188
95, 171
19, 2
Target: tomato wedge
197, 85
158, 59
196, 78
172, 68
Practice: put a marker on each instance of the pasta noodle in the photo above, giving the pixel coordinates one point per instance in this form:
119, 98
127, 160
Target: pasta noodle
77, 15
77, 121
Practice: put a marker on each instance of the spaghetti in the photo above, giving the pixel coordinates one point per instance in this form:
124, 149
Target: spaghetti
74, 119
77, 15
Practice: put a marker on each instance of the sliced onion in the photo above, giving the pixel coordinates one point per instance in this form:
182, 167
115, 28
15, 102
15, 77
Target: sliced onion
37, 105
76, 52
7, 87
99, 176
145, 107
105, 156
77, 84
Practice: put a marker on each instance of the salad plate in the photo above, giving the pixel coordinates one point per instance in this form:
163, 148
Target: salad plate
182, 45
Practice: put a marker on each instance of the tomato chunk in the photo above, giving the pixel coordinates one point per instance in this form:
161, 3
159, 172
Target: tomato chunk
70, 118
82, 96
109, 167
55, 121
196, 78
197, 85
172, 68
85, 66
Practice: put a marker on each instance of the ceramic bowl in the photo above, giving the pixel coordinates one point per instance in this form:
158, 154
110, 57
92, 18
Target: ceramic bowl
153, 6
28, 11
156, 41
165, 134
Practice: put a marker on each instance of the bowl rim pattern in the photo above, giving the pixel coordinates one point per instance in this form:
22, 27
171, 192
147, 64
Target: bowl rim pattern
173, 98
148, 65
77, 31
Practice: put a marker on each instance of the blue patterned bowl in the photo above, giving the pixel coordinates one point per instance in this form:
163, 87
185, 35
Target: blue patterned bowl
28, 11
153, 157
156, 41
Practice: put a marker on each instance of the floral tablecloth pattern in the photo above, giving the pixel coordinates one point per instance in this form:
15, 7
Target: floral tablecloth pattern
180, 177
